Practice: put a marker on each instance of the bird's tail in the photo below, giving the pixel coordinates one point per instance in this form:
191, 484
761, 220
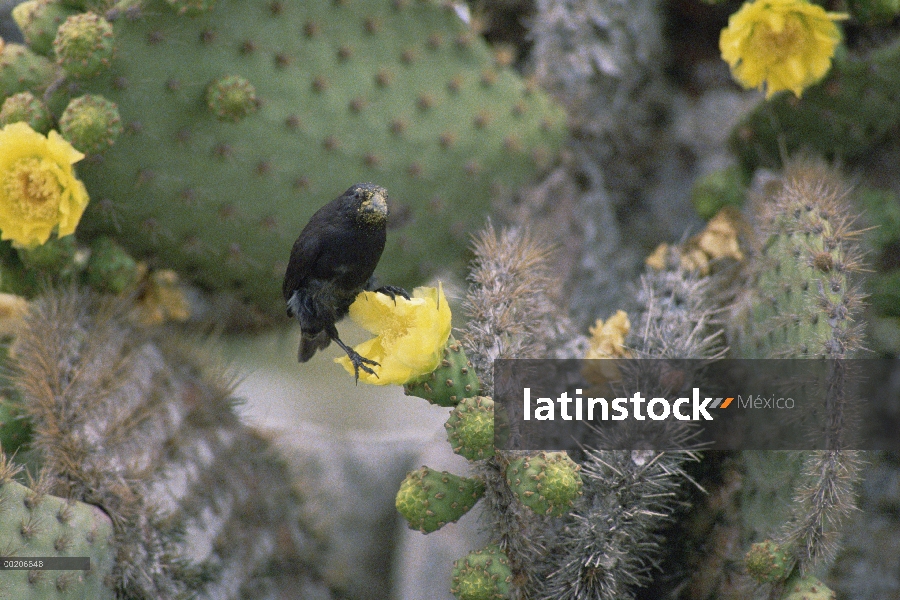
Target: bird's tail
310, 343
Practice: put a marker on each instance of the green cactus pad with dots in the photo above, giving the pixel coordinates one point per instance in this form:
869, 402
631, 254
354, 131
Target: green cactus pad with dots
767, 562
403, 94
429, 499
482, 575
453, 380
470, 428
40, 525
26, 108
548, 482
806, 587
806, 302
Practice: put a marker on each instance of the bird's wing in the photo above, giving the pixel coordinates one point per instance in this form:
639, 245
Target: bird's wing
304, 255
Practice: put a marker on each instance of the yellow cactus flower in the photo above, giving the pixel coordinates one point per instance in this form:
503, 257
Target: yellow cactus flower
607, 341
784, 44
38, 188
410, 336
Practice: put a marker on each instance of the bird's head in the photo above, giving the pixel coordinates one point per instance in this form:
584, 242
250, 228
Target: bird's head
369, 203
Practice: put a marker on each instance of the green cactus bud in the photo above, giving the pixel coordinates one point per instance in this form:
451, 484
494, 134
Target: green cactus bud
24, 107
470, 428
110, 268
453, 380
428, 500
482, 575
767, 562
547, 482
56, 255
231, 98
39, 525
22, 70
38, 20
84, 45
717, 190
192, 7
91, 124
805, 587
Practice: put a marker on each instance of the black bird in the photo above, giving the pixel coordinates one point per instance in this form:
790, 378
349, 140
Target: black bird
331, 262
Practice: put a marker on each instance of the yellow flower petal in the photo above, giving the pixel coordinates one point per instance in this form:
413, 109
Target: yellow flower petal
780, 44
410, 334
38, 188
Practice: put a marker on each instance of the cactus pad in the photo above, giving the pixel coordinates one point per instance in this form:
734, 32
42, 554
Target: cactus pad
402, 93
429, 500
452, 381
38, 525
470, 428
482, 575
547, 482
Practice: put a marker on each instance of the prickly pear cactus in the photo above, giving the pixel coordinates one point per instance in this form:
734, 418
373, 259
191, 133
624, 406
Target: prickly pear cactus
429, 499
806, 302
547, 482
482, 575
453, 380
401, 93
470, 428
36, 524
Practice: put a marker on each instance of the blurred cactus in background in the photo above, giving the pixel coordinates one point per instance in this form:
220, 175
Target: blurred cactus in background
595, 173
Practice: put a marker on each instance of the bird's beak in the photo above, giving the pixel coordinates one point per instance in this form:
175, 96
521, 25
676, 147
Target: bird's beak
376, 203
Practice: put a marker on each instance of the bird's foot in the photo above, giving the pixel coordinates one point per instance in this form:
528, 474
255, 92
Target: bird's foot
360, 362
392, 291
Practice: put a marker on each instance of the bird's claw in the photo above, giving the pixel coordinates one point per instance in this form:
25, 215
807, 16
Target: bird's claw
392, 291
359, 362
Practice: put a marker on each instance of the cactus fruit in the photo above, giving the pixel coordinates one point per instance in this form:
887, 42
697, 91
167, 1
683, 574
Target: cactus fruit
470, 428
110, 268
22, 70
36, 524
547, 482
84, 45
482, 575
231, 98
452, 381
91, 124
429, 500
28, 109
39, 20
402, 93
806, 587
767, 562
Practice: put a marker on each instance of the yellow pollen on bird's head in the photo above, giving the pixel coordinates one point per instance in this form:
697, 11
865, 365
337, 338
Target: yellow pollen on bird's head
373, 209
